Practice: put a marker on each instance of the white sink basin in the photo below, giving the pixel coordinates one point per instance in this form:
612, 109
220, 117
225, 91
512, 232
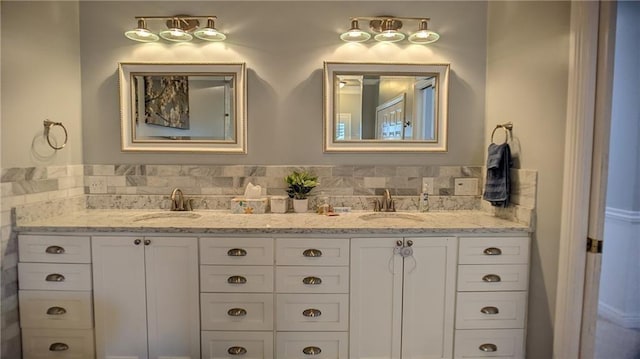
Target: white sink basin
394, 217
167, 215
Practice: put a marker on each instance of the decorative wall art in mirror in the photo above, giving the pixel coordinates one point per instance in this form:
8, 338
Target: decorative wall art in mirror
375, 107
199, 107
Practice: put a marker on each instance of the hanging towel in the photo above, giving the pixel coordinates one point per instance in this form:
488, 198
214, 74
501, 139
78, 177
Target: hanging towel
498, 184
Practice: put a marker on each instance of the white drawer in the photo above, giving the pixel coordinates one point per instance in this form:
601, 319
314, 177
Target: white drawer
491, 310
239, 251
506, 343
490, 277
55, 309
256, 345
236, 279
494, 250
54, 249
227, 311
312, 252
325, 345
312, 312
54, 276
312, 279
57, 343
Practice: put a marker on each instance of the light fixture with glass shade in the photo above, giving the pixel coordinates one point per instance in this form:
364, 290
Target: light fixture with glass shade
180, 28
209, 33
386, 29
354, 34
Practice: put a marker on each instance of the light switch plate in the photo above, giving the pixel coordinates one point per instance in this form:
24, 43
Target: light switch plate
427, 185
466, 187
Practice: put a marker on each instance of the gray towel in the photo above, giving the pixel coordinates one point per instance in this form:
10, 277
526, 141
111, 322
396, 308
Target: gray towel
498, 184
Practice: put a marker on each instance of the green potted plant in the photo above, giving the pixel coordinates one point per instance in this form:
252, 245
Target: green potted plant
300, 184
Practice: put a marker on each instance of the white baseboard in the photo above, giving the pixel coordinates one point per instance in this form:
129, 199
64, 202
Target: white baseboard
622, 215
620, 318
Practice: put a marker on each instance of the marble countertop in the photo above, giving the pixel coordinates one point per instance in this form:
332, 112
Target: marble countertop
223, 222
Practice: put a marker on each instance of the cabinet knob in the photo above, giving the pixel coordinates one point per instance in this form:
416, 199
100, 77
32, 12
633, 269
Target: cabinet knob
54, 250
311, 313
489, 310
312, 253
492, 251
147, 242
236, 312
54, 277
399, 243
409, 243
56, 311
488, 348
491, 278
237, 252
237, 351
58, 347
312, 280
137, 241
236, 279
311, 351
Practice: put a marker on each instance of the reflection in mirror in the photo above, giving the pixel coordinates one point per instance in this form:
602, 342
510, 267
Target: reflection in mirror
385, 107
183, 107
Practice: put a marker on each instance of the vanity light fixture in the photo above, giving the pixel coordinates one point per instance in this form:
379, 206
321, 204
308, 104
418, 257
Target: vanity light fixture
180, 28
387, 29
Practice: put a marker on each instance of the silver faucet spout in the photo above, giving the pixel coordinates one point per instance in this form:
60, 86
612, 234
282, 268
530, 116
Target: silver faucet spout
178, 203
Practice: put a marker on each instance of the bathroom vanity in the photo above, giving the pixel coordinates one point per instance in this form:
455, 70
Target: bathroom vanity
134, 284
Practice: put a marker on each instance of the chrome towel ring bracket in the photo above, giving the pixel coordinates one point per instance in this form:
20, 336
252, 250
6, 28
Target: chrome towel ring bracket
47, 133
507, 131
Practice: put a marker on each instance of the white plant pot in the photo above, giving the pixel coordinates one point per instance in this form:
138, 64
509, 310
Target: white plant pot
300, 205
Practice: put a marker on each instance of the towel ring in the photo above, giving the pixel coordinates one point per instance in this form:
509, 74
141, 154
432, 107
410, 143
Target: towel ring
47, 129
507, 131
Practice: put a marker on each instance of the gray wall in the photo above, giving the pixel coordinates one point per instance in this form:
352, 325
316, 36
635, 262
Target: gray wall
284, 45
40, 80
527, 74
623, 188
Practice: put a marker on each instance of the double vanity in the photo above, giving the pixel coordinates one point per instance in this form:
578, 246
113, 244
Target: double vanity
208, 284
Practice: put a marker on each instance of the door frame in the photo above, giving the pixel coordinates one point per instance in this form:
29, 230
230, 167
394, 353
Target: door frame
586, 126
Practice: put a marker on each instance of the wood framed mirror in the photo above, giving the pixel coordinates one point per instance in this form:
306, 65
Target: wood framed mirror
183, 107
383, 107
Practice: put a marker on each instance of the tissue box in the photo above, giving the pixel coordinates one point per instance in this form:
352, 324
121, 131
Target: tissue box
249, 206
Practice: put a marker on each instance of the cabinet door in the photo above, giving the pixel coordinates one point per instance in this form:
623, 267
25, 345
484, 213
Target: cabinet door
173, 318
376, 299
119, 297
428, 300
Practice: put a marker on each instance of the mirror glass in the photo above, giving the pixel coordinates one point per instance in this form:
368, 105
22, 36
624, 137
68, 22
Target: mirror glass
385, 107
183, 107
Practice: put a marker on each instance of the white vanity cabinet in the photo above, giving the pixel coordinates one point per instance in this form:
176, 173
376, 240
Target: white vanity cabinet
54, 277
146, 297
491, 308
402, 304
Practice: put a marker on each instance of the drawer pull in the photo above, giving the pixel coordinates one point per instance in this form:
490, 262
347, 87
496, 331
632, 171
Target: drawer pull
492, 251
311, 313
237, 312
236, 279
312, 253
237, 351
491, 278
312, 280
489, 310
236, 252
56, 311
488, 348
54, 250
58, 347
147, 242
137, 241
311, 351
55, 277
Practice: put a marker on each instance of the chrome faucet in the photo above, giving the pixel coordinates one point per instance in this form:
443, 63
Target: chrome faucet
387, 204
178, 202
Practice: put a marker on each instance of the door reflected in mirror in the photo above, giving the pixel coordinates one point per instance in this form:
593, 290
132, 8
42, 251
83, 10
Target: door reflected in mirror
385, 107
183, 107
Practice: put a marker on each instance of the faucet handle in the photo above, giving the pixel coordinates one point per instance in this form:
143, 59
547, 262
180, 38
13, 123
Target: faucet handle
376, 205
